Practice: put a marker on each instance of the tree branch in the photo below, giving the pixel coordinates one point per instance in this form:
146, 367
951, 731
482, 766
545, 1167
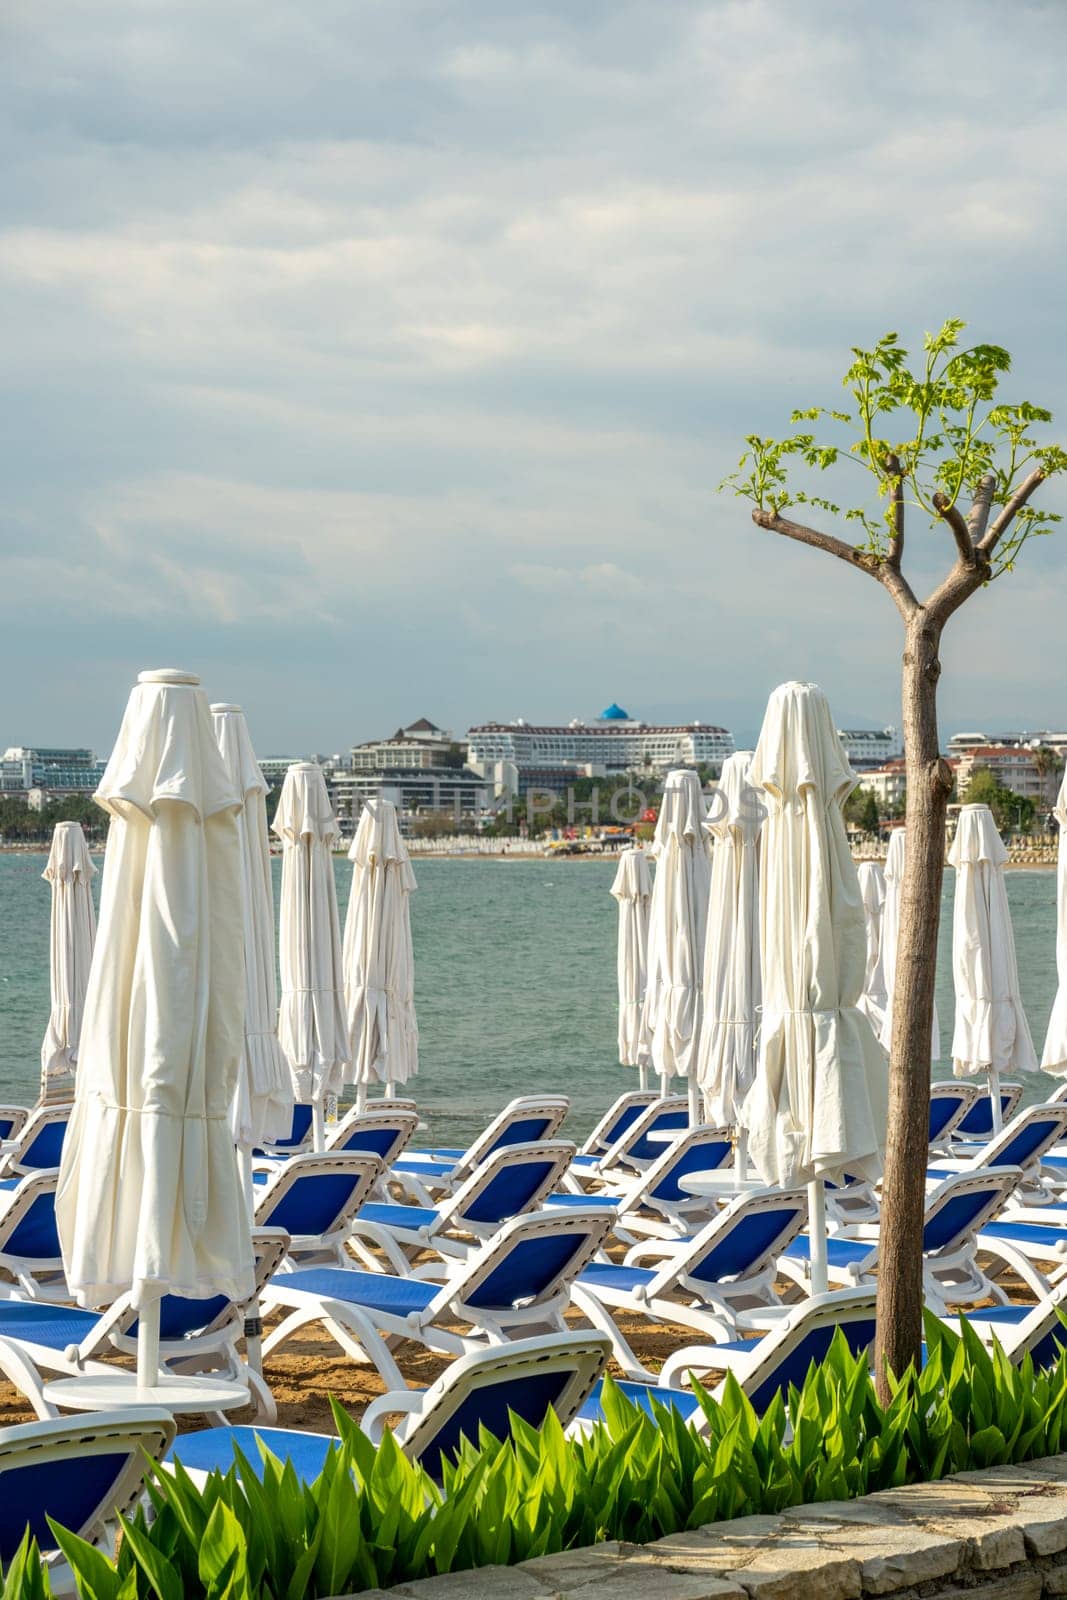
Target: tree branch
979, 512
896, 500
874, 566
833, 546
1006, 516
949, 512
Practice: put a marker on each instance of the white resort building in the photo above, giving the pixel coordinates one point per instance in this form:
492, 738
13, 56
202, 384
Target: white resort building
612, 742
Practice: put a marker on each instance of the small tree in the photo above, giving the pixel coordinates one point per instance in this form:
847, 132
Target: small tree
937, 442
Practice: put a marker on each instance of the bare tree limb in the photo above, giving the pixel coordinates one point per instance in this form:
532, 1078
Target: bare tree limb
964, 580
978, 516
828, 542
1006, 516
949, 512
896, 500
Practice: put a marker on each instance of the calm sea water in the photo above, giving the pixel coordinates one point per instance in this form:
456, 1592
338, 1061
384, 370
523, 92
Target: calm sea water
515, 981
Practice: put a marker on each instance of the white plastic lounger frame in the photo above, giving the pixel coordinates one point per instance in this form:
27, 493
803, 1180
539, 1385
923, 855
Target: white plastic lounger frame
399, 1240
966, 1097
951, 1274
143, 1433
601, 1140
24, 1361
425, 1172
15, 1150
616, 1165
753, 1367
427, 1412
643, 1212
362, 1331
327, 1246
16, 1117
36, 1277
672, 1294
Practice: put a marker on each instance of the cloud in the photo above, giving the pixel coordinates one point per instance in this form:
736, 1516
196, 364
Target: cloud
426, 333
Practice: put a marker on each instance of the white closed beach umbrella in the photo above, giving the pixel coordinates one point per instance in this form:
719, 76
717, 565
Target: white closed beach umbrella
677, 922
1054, 1055
73, 932
894, 885
726, 1061
149, 1197
991, 1033
632, 891
262, 1106
312, 1027
817, 1109
872, 893
379, 965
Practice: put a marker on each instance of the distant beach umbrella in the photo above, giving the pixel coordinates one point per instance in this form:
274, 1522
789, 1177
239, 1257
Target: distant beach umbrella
149, 1196
263, 1098
872, 893
726, 1059
1054, 1055
632, 891
991, 1034
677, 922
817, 1108
312, 1028
379, 965
70, 872
894, 884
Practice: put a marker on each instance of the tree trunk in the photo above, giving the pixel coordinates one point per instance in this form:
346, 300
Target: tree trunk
929, 783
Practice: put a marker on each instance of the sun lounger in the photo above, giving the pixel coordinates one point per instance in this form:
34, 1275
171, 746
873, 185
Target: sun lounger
39, 1340
521, 1278
515, 1179
977, 1123
482, 1390
1024, 1143
81, 1471
524, 1120
29, 1239
633, 1150
314, 1199
12, 1121
654, 1202
38, 1146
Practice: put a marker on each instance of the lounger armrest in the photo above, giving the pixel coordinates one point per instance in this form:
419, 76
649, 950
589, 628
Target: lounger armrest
113, 1320
386, 1405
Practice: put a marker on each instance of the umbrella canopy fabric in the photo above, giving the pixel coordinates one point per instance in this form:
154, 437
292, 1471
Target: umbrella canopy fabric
312, 1028
73, 932
818, 1106
1054, 1055
379, 965
263, 1098
894, 885
872, 893
991, 1032
677, 922
632, 890
726, 1059
149, 1197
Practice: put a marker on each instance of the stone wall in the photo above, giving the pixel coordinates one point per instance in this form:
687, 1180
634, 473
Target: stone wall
994, 1535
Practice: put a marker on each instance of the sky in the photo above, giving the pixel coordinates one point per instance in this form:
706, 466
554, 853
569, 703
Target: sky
379, 359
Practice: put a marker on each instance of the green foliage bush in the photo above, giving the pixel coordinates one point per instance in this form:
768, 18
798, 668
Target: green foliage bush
373, 1519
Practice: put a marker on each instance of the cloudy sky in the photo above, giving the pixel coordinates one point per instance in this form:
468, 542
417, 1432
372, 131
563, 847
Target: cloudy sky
380, 358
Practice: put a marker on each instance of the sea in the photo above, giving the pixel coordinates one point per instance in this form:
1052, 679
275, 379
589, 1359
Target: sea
514, 976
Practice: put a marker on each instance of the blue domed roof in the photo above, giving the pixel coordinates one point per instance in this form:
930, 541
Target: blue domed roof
614, 713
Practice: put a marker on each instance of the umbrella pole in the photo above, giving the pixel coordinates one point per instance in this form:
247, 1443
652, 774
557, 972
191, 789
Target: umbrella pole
817, 1235
741, 1154
148, 1344
389, 1092
318, 1127
642, 1075
664, 1084
994, 1099
361, 1097
695, 1117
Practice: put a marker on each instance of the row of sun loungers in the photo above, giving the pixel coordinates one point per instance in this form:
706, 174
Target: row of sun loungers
488, 1254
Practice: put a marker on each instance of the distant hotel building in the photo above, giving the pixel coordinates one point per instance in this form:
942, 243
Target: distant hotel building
420, 768
41, 772
614, 743
868, 748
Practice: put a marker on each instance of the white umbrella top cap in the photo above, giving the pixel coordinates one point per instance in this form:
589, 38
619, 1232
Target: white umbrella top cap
378, 840
633, 881
166, 750
736, 806
304, 809
69, 856
235, 743
799, 748
682, 810
977, 839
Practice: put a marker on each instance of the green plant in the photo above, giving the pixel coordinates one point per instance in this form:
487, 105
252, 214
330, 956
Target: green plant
373, 1519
